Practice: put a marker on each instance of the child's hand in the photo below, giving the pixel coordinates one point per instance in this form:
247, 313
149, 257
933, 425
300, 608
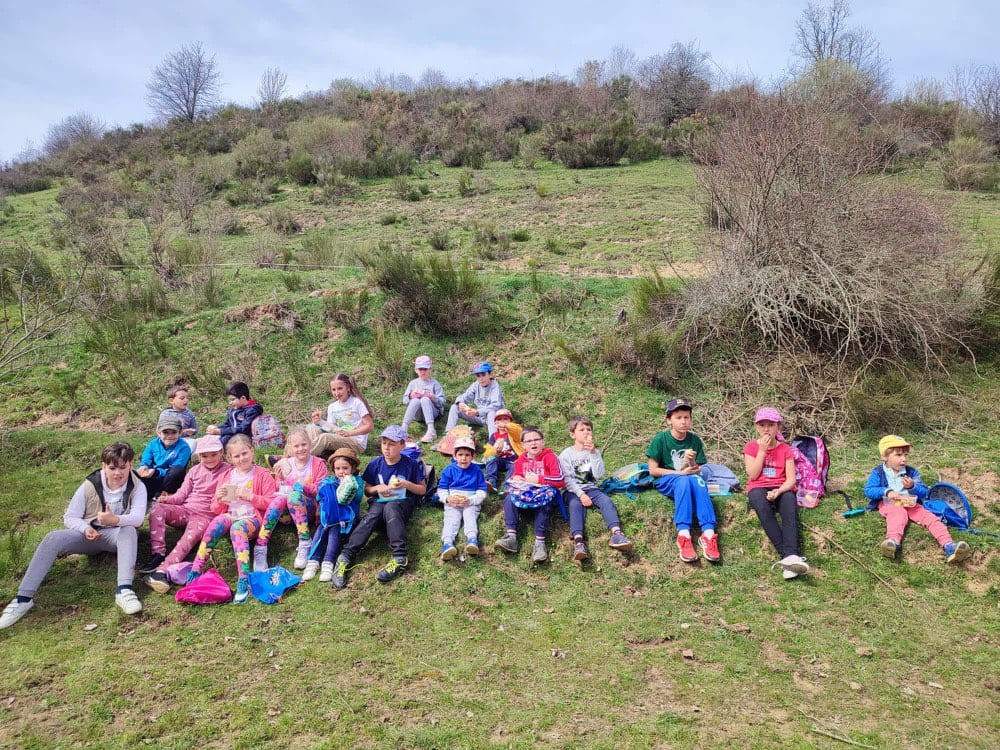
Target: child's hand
213, 430
316, 417
772, 495
244, 493
585, 500
766, 442
281, 470
91, 533
690, 456
382, 490
531, 478
188, 432
907, 483
690, 469
107, 518
144, 472
588, 445
220, 493
458, 501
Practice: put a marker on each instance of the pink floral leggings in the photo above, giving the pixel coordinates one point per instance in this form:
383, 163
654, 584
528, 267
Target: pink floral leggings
241, 531
300, 507
179, 517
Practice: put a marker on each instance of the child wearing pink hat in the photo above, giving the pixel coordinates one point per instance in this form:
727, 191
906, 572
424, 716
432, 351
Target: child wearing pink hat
770, 466
424, 398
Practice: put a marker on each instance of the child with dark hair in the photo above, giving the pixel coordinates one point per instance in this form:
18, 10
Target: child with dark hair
243, 410
102, 516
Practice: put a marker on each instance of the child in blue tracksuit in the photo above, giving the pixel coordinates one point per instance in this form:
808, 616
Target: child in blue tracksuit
462, 489
675, 457
165, 459
243, 410
480, 401
338, 511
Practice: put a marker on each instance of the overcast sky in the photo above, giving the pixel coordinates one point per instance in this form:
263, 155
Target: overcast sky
58, 57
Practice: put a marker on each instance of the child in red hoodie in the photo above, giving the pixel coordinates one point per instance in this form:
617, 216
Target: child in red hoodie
534, 486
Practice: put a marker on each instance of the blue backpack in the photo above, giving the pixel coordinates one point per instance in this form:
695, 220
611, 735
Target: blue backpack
949, 503
629, 480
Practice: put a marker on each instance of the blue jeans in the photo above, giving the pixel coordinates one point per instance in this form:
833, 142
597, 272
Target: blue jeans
578, 513
494, 465
512, 514
691, 500
327, 547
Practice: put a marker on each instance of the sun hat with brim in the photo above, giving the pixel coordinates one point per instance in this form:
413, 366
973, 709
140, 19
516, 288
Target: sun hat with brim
168, 422
767, 414
422, 362
347, 453
395, 433
892, 441
677, 404
208, 444
464, 442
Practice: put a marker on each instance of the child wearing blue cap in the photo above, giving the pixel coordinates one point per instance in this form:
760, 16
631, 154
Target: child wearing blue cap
480, 401
393, 483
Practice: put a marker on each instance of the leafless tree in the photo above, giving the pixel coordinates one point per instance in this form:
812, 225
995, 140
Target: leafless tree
432, 78
986, 101
672, 85
272, 87
186, 194
822, 33
185, 85
81, 127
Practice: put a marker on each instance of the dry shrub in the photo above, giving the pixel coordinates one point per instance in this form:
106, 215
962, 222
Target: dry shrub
816, 252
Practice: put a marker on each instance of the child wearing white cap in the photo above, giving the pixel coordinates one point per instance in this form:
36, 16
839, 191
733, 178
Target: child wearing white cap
424, 398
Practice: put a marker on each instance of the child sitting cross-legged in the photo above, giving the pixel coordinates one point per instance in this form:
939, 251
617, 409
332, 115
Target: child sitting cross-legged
242, 495
165, 459
583, 466
339, 500
462, 489
102, 516
532, 489
503, 449
895, 489
675, 458
424, 399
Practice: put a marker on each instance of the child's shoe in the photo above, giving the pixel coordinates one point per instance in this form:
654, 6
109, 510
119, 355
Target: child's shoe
686, 548
429, 437
795, 565
326, 572
302, 554
392, 569
339, 579
472, 546
710, 547
191, 576
580, 552
128, 602
957, 551
157, 580
259, 558
539, 552
155, 560
620, 542
448, 551
508, 543
889, 548
14, 612
310, 572
242, 591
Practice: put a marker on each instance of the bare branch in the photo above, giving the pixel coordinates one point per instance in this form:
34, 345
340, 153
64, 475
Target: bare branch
185, 85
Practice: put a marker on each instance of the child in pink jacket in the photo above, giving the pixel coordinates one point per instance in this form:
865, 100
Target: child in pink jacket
190, 508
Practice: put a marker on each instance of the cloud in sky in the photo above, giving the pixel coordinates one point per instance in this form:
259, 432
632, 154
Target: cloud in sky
59, 58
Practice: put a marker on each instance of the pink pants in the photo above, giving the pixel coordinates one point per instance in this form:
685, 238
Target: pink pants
179, 517
896, 517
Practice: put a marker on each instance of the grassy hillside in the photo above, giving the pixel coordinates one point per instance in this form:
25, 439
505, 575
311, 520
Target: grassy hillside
625, 652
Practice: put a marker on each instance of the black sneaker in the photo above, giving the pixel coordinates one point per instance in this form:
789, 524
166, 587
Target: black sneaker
339, 579
158, 582
155, 560
392, 569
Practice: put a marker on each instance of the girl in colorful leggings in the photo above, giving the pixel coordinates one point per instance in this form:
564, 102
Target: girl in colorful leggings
297, 467
243, 495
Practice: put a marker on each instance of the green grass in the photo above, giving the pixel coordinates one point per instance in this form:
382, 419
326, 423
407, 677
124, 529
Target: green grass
493, 651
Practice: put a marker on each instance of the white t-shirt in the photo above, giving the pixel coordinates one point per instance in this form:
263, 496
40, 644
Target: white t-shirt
348, 416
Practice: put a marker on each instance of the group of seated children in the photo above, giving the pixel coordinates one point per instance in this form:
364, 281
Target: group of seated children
233, 496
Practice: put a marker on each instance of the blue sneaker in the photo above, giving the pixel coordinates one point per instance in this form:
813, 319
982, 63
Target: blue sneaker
192, 576
957, 551
448, 551
472, 546
242, 591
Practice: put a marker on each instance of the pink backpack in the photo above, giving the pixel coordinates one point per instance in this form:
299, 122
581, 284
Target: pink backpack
208, 588
812, 465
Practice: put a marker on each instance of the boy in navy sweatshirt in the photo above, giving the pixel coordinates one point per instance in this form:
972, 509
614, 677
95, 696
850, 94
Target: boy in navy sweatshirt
462, 489
243, 410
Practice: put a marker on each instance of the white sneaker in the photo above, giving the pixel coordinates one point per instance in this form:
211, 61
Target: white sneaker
302, 554
310, 572
795, 564
14, 612
128, 602
429, 437
259, 558
326, 572
789, 574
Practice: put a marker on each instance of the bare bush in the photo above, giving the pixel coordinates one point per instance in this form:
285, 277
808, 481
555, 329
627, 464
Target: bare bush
186, 194
818, 254
82, 127
185, 85
272, 87
672, 85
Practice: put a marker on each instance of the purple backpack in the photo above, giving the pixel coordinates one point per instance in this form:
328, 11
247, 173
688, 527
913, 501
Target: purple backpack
812, 466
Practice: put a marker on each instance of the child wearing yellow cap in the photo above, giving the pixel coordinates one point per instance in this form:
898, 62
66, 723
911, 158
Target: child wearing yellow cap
895, 490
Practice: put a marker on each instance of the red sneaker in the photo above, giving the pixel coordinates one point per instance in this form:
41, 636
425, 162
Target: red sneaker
687, 549
709, 547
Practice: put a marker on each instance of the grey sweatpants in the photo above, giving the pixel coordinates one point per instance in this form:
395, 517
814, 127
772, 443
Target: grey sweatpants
453, 518
120, 540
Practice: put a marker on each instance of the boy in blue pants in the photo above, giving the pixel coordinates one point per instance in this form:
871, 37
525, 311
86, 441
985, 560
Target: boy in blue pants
676, 456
